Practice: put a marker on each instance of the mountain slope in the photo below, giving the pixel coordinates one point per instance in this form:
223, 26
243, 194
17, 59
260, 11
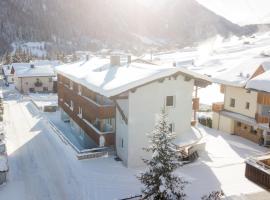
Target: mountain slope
75, 24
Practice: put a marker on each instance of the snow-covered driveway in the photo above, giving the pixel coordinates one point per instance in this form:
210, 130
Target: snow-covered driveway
42, 167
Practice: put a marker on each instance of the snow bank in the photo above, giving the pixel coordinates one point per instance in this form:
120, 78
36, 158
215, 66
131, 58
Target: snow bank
242, 12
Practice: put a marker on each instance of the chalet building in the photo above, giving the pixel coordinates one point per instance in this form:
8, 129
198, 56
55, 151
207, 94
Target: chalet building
35, 79
36, 76
245, 110
116, 102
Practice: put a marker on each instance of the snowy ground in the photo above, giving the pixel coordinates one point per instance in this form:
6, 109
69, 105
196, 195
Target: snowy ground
44, 168
44, 99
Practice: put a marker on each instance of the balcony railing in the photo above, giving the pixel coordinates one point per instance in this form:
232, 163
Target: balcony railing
261, 118
97, 128
217, 107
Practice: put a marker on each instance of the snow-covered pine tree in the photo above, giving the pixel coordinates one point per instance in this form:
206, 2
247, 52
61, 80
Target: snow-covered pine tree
159, 179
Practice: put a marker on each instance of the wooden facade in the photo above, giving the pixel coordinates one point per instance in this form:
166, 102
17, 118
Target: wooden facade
247, 131
196, 104
217, 107
257, 175
263, 98
93, 107
261, 119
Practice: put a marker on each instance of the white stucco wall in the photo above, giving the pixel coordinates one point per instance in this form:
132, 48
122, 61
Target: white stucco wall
122, 131
241, 97
226, 124
144, 106
24, 84
215, 122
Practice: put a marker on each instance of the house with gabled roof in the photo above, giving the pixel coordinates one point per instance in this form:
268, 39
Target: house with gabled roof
115, 101
246, 106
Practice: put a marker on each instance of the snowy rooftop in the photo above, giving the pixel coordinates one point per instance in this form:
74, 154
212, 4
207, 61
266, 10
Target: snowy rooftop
28, 71
3, 163
260, 83
6, 70
98, 75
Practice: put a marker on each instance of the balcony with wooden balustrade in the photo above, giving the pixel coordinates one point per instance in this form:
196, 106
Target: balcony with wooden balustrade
217, 107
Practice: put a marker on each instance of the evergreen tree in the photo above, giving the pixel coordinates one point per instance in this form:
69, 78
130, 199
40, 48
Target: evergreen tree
159, 179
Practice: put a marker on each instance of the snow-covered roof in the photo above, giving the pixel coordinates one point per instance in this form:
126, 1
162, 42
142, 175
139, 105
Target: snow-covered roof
3, 163
7, 70
242, 72
28, 71
260, 83
53, 63
98, 75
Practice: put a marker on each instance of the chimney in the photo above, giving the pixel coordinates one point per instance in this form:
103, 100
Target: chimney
115, 60
32, 66
129, 59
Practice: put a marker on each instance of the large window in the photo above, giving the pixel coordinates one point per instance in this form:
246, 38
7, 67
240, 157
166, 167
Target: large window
232, 102
170, 101
80, 112
71, 105
79, 89
70, 84
171, 127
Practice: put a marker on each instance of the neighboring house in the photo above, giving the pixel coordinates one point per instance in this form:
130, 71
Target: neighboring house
244, 111
6, 69
9, 70
117, 103
33, 78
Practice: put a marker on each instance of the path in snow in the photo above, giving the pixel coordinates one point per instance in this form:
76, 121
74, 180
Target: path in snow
43, 168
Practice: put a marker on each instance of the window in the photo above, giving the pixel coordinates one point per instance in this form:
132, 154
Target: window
50, 79
247, 105
79, 89
80, 112
232, 102
239, 124
122, 143
253, 131
171, 127
170, 101
45, 89
71, 84
71, 105
248, 91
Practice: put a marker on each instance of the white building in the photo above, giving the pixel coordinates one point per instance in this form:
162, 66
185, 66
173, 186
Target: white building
35, 79
139, 91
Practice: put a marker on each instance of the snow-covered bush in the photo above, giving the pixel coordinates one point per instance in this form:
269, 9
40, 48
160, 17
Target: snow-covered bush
159, 179
215, 195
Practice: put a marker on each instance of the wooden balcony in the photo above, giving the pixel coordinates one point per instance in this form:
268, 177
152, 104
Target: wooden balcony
263, 98
217, 107
222, 89
196, 104
261, 118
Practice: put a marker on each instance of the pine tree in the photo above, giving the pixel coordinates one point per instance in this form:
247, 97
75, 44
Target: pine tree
159, 179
